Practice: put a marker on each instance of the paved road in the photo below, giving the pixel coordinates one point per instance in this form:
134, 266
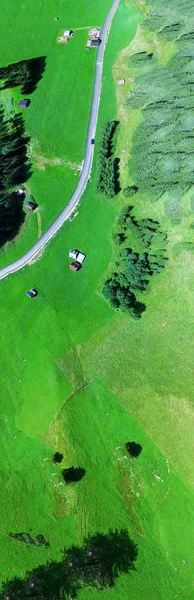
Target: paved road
39, 246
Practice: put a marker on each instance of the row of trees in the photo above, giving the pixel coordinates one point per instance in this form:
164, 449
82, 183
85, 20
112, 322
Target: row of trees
15, 169
15, 165
108, 166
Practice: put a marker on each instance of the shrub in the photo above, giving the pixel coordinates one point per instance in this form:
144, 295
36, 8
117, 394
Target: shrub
130, 190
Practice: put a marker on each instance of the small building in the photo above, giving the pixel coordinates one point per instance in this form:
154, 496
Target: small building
31, 205
94, 32
20, 192
95, 42
81, 257
120, 81
75, 266
73, 254
63, 39
68, 33
32, 293
77, 256
24, 103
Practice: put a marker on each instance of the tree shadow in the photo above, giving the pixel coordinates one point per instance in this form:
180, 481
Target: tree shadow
15, 169
116, 175
136, 308
26, 73
12, 217
73, 474
96, 565
134, 449
110, 141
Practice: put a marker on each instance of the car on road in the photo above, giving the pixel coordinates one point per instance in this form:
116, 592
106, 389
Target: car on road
92, 141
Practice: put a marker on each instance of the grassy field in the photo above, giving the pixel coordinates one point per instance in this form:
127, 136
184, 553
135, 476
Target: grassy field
83, 379
56, 121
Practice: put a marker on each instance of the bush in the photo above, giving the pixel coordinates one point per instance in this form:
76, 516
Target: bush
130, 190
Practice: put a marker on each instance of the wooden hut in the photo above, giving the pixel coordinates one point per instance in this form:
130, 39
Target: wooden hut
75, 266
24, 103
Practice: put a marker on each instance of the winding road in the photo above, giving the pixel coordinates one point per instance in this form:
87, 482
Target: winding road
39, 246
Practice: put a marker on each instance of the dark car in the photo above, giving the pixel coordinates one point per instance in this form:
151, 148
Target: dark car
92, 141
32, 293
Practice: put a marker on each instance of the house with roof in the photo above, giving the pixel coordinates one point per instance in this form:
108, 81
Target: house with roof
24, 103
31, 205
68, 33
94, 32
94, 42
77, 256
75, 266
20, 192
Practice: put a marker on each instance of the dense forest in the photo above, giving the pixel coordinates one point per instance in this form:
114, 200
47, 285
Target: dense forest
163, 144
15, 169
15, 165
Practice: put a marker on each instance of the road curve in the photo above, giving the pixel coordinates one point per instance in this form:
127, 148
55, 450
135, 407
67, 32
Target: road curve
39, 246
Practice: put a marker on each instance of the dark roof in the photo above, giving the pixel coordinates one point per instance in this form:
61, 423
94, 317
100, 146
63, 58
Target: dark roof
31, 205
32, 293
95, 42
24, 103
75, 266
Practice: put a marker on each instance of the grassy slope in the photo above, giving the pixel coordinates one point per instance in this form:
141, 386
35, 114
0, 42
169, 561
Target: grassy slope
76, 336
30, 397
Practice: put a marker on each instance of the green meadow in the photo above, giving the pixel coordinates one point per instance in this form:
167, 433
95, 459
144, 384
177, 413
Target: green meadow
57, 118
81, 378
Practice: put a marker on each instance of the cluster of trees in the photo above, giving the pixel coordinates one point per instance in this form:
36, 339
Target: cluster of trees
179, 15
135, 268
147, 231
163, 144
108, 166
15, 165
97, 564
119, 295
15, 169
26, 73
